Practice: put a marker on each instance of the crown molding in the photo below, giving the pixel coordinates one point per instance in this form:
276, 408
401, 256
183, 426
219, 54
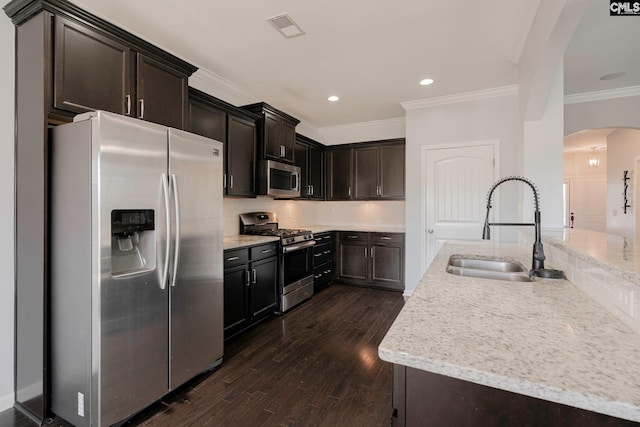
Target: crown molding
601, 95
461, 97
397, 121
363, 131
216, 85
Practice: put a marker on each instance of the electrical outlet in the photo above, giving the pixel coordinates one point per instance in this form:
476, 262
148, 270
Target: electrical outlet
625, 300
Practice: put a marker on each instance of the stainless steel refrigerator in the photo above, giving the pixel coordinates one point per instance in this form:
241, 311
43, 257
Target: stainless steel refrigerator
136, 264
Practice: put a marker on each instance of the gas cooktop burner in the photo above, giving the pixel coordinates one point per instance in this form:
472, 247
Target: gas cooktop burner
266, 224
281, 232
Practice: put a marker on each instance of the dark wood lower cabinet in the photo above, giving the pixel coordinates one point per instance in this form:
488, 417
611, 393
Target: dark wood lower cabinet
371, 259
426, 399
250, 286
323, 254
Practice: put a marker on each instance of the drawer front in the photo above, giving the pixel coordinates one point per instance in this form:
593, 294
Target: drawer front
235, 257
322, 238
321, 254
323, 273
354, 236
387, 238
264, 251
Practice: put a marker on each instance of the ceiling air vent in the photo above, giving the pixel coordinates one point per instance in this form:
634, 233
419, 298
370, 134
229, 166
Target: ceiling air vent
285, 25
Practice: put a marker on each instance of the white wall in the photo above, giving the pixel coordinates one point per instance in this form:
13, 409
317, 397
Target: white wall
605, 113
6, 212
303, 213
365, 131
543, 153
623, 152
484, 119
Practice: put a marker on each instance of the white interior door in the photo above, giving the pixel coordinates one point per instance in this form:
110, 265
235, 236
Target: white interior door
457, 179
588, 202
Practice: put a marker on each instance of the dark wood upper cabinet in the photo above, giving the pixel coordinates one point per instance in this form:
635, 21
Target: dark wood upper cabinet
95, 65
236, 127
241, 157
392, 171
309, 156
365, 166
338, 176
276, 132
206, 120
374, 171
91, 70
161, 93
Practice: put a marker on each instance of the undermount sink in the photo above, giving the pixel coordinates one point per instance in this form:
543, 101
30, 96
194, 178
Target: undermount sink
488, 267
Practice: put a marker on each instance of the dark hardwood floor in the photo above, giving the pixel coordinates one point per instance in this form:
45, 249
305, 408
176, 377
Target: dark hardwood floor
317, 365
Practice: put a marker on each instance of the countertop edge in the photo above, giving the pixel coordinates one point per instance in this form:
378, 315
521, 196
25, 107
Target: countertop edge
566, 397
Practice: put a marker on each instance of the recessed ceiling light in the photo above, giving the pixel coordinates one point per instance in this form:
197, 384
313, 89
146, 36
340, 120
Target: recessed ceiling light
333, 98
613, 76
426, 82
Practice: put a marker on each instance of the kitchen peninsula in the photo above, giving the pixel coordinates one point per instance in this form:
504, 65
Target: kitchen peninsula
546, 339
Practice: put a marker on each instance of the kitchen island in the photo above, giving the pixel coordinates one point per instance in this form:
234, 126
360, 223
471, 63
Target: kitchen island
545, 339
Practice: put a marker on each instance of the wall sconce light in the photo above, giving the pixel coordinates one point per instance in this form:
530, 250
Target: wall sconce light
594, 159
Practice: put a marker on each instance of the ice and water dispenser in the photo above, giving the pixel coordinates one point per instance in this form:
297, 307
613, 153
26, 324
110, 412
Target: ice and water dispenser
133, 241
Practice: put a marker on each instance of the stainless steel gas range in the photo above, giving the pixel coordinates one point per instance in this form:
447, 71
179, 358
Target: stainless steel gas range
295, 275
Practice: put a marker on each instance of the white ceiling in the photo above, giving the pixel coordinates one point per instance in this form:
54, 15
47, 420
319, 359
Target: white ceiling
371, 53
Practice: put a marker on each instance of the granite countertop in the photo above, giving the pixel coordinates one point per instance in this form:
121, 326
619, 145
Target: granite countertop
613, 253
365, 228
545, 339
238, 241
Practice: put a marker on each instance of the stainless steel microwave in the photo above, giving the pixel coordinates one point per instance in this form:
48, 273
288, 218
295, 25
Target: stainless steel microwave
278, 179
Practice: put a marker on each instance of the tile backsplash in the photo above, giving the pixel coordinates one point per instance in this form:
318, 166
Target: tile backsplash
300, 213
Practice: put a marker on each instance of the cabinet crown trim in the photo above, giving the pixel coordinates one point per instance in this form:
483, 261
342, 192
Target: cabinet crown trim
22, 10
203, 97
263, 107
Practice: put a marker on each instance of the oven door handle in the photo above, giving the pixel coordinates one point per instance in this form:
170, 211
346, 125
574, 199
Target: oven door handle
297, 246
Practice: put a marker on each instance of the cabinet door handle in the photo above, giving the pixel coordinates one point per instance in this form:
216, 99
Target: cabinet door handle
283, 151
365, 252
224, 181
317, 276
372, 252
128, 97
349, 192
311, 186
326, 237
317, 255
385, 238
254, 276
230, 182
327, 271
232, 258
326, 252
247, 278
266, 251
351, 236
141, 116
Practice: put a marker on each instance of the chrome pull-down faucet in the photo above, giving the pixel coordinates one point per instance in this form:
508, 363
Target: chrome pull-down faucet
538, 258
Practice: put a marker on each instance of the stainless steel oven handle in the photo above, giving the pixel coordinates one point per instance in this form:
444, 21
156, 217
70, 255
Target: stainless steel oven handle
298, 246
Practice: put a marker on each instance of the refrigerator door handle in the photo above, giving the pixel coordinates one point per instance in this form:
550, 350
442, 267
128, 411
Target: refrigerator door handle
176, 255
165, 273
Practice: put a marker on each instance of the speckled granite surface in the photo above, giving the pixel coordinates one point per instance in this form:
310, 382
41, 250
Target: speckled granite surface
369, 228
544, 339
613, 253
238, 241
